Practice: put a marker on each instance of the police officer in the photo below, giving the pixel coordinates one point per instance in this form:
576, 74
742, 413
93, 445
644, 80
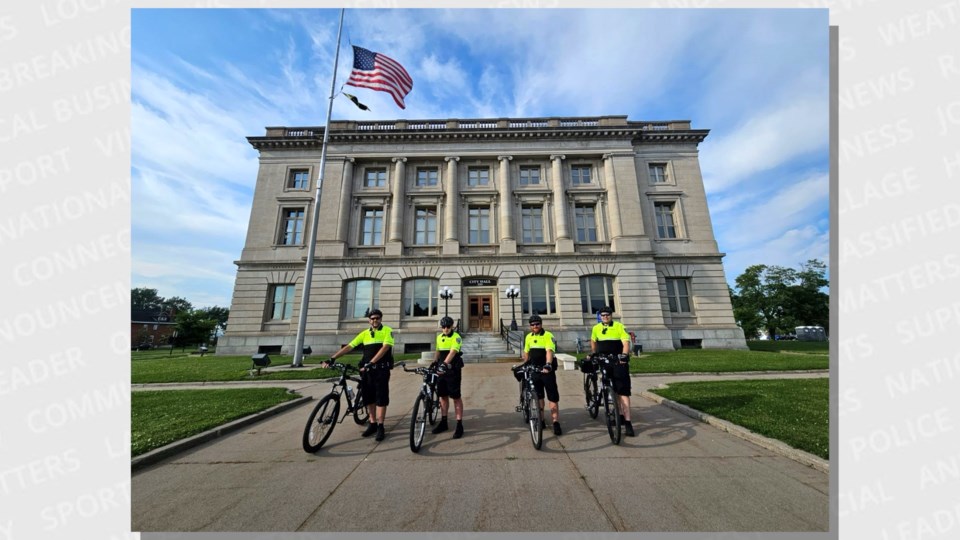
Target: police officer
610, 337
539, 346
375, 369
448, 384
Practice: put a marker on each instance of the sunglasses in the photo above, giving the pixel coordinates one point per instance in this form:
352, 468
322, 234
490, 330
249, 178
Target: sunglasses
535, 324
606, 314
374, 318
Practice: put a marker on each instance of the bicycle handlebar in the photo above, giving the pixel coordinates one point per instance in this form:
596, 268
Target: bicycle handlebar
341, 367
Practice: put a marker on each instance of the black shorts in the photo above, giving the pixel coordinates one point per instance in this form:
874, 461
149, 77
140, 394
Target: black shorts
448, 384
376, 387
621, 378
548, 383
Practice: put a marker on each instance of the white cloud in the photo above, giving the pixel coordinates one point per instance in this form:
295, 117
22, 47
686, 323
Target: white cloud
764, 142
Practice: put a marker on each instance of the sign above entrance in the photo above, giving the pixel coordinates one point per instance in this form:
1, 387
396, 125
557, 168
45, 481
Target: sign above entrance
479, 282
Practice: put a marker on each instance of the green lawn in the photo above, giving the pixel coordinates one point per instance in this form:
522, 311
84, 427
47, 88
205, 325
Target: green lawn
809, 347
162, 417
164, 368
715, 361
795, 411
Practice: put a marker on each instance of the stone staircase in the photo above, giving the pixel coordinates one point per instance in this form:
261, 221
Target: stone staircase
486, 347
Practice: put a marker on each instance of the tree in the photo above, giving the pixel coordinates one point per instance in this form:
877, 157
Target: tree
180, 305
217, 313
778, 299
193, 327
142, 298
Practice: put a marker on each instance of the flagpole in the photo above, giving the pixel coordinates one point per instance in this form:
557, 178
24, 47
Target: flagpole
312, 245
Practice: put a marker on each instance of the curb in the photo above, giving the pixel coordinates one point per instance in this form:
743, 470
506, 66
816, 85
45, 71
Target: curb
773, 445
176, 447
731, 373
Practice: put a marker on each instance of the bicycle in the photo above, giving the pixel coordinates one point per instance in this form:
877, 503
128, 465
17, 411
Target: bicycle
594, 394
425, 407
324, 417
529, 403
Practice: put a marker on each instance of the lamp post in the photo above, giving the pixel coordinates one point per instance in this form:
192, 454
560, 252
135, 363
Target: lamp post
446, 294
512, 294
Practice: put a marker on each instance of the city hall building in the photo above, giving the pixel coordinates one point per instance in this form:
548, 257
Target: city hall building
576, 213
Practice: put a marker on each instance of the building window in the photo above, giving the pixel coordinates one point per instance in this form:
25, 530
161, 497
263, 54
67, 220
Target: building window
427, 176
281, 308
529, 176
579, 174
479, 225
658, 173
420, 297
595, 293
478, 176
678, 295
585, 217
299, 179
372, 234
375, 178
531, 220
425, 227
666, 225
359, 297
537, 296
291, 229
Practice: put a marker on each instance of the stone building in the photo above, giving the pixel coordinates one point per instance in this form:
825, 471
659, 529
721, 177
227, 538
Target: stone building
577, 213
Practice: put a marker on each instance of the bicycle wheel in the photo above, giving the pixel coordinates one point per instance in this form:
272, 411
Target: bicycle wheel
612, 405
535, 419
590, 393
360, 412
321, 423
418, 422
433, 406
523, 404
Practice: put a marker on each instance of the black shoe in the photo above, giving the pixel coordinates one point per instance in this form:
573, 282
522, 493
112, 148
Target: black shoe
459, 431
628, 427
441, 427
371, 429
380, 434
556, 429
622, 420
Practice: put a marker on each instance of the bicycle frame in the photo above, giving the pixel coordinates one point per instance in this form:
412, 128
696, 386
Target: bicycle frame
530, 404
605, 394
426, 405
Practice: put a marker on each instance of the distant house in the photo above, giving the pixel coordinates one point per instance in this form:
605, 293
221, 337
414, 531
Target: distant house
152, 327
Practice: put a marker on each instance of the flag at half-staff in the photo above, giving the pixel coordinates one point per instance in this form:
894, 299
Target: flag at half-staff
380, 72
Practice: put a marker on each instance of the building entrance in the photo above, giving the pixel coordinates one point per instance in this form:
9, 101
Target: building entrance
480, 310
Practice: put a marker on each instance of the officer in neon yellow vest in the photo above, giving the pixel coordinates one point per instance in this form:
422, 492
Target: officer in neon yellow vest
448, 384
375, 369
610, 337
539, 347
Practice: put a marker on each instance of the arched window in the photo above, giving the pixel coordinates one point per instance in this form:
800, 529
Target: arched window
359, 297
537, 295
595, 293
420, 297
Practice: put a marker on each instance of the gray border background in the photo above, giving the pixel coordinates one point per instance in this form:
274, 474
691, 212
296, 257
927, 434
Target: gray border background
65, 191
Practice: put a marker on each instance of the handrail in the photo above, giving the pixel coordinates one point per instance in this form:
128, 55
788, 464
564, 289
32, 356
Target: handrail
511, 337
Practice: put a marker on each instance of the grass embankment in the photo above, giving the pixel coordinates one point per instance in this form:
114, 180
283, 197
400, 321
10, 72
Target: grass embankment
795, 411
723, 361
166, 368
162, 417
807, 347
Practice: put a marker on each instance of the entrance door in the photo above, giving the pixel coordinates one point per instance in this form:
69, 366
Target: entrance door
481, 313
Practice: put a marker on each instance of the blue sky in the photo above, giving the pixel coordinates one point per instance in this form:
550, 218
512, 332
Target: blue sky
205, 79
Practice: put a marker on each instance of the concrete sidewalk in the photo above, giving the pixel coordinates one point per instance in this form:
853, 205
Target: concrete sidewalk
678, 474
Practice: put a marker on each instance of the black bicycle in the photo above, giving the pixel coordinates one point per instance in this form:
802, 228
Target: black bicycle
327, 412
529, 403
426, 406
595, 393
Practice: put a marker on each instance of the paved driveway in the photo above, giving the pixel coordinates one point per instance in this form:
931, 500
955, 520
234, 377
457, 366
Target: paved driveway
678, 474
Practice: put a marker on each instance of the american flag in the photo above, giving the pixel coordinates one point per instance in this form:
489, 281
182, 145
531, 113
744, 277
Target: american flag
378, 72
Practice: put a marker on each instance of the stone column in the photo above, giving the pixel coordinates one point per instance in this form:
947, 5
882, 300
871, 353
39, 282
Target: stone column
451, 240
395, 245
346, 191
563, 241
508, 242
613, 202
